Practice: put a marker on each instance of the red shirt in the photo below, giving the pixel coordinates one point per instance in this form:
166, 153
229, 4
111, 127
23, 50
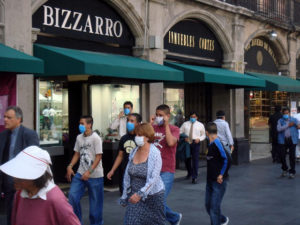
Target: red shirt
168, 154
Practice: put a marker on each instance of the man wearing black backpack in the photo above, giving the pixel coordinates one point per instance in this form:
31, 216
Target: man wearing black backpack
218, 164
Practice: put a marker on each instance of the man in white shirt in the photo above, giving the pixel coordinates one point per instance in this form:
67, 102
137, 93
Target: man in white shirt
195, 132
297, 116
120, 122
224, 133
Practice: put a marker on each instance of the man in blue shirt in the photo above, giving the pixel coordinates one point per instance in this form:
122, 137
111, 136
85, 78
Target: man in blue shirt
287, 128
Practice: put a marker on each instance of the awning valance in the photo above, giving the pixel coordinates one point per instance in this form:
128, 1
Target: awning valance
278, 83
12, 60
195, 74
62, 61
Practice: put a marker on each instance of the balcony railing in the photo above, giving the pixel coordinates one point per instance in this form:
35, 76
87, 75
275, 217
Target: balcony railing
276, 10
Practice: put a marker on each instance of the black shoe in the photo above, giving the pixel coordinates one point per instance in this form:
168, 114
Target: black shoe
194, 181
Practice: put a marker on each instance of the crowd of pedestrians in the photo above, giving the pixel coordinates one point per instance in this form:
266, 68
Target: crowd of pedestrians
146, 162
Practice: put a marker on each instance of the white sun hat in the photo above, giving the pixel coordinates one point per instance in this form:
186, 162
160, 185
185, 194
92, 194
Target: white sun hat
29, 164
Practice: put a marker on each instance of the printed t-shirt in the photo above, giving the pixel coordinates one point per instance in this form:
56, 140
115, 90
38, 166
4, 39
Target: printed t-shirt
126, 145
168, 154
88, 147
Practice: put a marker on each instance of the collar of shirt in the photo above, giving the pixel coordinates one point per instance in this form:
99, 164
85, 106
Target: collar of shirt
15, 131
42, 192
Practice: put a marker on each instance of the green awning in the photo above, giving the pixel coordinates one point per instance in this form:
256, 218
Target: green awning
278, 83
195, 74
12, 60
61, 61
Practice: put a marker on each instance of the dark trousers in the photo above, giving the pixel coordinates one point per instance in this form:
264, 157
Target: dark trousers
9, 193
192, 163
275, 151
283, 152
213, 199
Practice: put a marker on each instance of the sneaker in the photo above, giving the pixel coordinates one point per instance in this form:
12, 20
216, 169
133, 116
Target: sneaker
284, 173
226, 222
292, 176
180, 217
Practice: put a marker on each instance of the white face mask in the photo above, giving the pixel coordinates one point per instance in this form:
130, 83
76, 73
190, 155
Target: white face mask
159, 120
139, 140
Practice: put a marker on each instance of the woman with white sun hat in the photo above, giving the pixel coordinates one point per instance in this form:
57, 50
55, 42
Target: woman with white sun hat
38, 201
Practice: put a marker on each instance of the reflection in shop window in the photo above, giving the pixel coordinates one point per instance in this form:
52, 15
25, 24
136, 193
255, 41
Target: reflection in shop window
53, 112
107, 102
174, 98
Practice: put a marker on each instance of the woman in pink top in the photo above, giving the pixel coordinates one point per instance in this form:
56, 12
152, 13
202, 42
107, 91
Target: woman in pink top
38, 201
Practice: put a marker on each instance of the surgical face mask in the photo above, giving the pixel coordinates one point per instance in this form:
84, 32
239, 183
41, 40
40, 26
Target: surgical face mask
159, 120
81, 128
139, 140
285, 116
193, 120
126, 111
130, 126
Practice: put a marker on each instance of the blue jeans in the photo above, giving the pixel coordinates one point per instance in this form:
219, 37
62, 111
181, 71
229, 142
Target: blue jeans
95, 190
213, 198
168, 179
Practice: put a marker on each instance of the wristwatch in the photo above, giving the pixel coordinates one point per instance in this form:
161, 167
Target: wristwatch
91, 170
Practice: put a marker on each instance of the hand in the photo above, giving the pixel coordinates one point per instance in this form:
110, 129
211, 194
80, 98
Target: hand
86, 176
110, 174
135, 198
232, 148
197, 140
121, 114
166, 120
69, 174
291, 124
152, 118
220, 179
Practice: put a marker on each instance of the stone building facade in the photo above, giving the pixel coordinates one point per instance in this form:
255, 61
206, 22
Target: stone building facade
149, 21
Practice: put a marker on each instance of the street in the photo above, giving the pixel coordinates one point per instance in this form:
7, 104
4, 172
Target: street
256, 195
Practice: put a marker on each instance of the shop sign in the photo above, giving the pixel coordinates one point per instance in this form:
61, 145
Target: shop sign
260, 57
191, 40
90, 20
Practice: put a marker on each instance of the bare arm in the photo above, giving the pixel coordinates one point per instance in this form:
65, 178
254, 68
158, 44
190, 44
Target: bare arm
70, 171
117, 163
171, 140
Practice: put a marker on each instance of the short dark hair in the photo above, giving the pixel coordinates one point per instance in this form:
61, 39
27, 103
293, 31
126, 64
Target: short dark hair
137, 116
88, 119
192, 113
42, 180
277, 108
286, 109
220, 114
128, 103
17, 110
211, 128
165, 108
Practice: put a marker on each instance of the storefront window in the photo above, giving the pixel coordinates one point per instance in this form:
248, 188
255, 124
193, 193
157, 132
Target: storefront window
174, 97
52, 112
107, 102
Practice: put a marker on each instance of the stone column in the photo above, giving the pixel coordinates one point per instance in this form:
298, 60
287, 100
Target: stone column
18, 35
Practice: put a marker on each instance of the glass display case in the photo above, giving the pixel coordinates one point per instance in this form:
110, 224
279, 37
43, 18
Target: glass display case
52, 112
107, 102
174, 98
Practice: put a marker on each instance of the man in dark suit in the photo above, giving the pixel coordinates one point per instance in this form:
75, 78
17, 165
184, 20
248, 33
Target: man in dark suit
13, 140
273, 119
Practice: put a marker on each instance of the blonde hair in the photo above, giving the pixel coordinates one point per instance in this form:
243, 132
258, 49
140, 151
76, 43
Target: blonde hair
145, 129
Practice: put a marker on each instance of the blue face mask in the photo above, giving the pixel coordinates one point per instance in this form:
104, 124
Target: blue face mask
285, 116
81, 128
193, 120
126, 111
130, 126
